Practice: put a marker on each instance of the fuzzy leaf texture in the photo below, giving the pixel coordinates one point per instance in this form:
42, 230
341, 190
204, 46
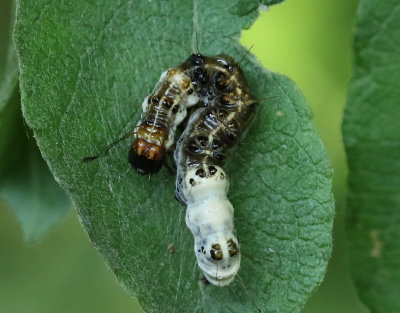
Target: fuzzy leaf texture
371, 131
85, 70
26, 183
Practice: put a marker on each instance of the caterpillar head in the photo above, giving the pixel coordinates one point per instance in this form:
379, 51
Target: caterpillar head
145, 157
148, 150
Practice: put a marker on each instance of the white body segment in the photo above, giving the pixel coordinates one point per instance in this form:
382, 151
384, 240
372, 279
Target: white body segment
209, 216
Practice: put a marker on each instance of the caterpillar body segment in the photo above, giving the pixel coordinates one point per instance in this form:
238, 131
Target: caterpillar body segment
163, 110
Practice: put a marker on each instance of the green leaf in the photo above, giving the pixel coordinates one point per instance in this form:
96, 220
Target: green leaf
30, 190
8, 89
8, 80
5, 17
371, 130
25, 180
8, 84
85, 69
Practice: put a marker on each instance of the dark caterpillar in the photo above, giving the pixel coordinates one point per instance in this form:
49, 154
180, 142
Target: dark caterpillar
210, 136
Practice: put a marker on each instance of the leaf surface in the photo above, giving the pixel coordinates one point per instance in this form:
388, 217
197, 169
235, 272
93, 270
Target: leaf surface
371, 130
25, 180
85, 69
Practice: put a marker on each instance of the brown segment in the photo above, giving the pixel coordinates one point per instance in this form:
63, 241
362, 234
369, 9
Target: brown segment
148, 150
152, 134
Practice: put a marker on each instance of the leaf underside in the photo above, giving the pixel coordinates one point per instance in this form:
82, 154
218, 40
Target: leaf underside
85, 69
371, 131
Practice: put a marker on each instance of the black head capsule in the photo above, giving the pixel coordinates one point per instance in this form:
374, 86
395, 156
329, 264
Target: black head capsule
145, 157
143, 165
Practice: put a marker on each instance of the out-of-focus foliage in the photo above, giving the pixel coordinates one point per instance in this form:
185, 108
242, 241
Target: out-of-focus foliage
371, 131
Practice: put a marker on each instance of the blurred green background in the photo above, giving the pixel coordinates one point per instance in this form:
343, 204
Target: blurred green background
309, 41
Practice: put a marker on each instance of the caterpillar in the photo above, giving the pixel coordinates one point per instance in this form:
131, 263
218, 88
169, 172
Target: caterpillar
163, 111
226, 108
210, 136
